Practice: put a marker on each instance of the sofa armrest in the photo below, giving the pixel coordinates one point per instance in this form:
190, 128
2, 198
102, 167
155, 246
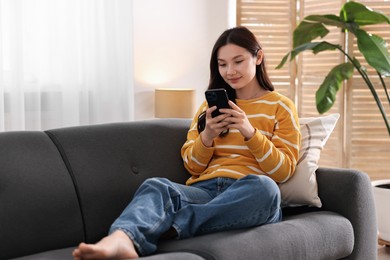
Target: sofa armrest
349, 193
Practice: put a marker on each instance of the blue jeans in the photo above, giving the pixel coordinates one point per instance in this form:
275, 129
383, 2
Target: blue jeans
209, 206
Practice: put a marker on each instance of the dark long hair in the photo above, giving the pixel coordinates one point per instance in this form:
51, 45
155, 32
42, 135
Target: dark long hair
244, 38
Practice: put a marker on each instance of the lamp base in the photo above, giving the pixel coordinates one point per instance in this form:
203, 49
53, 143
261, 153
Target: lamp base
383, 242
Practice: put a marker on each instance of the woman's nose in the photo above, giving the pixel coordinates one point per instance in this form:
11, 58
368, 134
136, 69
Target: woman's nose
231, 70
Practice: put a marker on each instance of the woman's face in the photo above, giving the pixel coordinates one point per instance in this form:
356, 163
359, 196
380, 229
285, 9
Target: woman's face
237, 66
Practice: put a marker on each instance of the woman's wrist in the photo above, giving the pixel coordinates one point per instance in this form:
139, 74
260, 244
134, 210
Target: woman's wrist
250, 135
205, 140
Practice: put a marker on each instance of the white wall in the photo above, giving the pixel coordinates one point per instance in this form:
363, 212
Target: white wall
172, 45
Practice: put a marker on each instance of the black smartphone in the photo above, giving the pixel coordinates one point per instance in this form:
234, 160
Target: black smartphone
217, 97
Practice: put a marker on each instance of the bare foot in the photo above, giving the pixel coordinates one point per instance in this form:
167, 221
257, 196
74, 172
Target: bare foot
115, 246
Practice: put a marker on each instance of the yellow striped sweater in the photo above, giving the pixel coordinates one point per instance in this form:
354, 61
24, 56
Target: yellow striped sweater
272, 151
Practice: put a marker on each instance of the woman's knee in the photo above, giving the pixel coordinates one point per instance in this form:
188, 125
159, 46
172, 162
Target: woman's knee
154, 180
156, 184
157, 181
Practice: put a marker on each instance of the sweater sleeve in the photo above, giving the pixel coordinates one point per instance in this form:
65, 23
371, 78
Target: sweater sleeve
277, 156
195, 154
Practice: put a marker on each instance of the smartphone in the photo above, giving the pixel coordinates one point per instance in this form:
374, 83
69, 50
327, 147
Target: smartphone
217, 97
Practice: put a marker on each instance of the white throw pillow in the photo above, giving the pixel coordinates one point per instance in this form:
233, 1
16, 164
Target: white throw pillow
302, 188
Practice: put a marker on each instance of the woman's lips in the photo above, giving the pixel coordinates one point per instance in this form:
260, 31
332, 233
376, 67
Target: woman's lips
234, 80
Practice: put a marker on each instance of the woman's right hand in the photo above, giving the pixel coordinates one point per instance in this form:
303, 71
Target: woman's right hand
214, 126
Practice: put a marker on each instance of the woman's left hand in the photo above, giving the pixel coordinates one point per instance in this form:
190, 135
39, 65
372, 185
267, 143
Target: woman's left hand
239, 121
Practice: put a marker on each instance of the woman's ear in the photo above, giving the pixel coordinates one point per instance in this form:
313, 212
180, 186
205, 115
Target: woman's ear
260, 55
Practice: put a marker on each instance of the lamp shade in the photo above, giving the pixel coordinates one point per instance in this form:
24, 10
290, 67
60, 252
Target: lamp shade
174, 103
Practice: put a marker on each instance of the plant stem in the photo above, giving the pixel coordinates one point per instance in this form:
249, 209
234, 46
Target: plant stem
376, 97
370, 86
384, 86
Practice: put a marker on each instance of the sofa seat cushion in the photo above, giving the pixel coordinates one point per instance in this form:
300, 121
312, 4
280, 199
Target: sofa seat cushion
314, 235
66, 254
59, 254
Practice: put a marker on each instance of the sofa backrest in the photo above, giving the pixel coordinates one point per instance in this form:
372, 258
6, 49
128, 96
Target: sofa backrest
64, 186
39, 208
108, 163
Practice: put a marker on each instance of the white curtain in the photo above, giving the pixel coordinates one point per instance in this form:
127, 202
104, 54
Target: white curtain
65, 63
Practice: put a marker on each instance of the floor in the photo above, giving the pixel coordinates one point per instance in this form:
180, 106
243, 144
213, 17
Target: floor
383, 252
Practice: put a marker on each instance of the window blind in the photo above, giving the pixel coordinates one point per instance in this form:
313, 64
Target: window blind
273, 23
313, 70
360, 139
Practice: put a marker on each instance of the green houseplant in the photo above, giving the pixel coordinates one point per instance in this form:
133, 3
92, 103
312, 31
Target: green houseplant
353, 16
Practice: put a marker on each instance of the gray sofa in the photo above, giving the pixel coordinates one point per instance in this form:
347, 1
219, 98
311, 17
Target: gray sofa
64, 186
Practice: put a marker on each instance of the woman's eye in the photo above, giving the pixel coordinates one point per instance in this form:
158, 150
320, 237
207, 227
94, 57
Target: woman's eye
239, 61
222, 64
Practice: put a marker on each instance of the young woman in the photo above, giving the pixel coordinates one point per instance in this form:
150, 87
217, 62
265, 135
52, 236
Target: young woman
235, 159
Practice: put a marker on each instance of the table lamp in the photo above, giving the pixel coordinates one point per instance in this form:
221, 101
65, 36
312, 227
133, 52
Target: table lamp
174, 103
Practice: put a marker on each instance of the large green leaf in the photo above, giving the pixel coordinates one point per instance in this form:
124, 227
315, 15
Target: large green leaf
326, 94
375, 51
361, 14
328, 19
308, 31
316, 47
